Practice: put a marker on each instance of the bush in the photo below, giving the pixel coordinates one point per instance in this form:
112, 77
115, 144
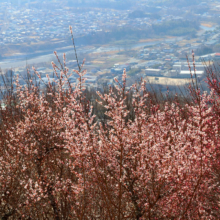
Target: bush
151, 158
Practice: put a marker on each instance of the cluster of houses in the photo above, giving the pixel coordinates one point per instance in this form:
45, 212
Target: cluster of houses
25, 24
20, 24
179, 70
168, 58
43, 81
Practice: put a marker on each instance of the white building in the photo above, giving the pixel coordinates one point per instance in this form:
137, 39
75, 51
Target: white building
177, 67
184, 67
187, 74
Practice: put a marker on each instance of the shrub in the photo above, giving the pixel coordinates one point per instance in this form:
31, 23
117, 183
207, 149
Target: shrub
148, 160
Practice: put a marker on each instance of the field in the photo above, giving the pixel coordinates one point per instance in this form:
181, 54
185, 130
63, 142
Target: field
208, 24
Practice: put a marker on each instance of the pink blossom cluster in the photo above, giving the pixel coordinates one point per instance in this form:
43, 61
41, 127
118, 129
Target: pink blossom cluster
146, 162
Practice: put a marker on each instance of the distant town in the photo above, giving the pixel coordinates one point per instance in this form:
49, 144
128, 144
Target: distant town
158, 55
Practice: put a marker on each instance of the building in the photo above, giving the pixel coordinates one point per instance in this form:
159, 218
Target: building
217, 56
153, 72
187, 73
177, 67
117, 68
207, 57
72, 62
184, 66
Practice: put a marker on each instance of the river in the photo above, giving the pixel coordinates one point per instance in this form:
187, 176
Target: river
20, 60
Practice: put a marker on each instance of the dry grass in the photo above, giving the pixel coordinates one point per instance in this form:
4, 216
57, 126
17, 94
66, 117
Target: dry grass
149, 40
191, 41
34, 37
97, 62
154, 39
113, 52
207, 24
